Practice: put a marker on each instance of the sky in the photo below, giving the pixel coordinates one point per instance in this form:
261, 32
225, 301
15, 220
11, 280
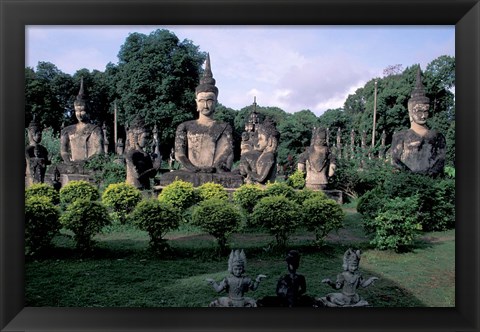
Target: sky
291, 67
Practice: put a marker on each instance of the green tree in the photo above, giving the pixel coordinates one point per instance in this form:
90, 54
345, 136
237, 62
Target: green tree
156, 78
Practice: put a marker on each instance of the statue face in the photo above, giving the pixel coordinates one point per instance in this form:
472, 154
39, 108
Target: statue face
206, 103
352, 266
142, 139
262, 141
419, 113
80, 113
35, 136
319, 140
237, 270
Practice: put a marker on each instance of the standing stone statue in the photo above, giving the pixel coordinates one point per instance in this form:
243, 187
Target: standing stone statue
81, 141
171, 159
317, 161
418, 149
141, 166
237, 284
36, 155
259, 164
348, 281
205, 145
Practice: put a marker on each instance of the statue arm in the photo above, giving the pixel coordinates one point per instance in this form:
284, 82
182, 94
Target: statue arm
224, 160
263, 167
368, 282
64, 144
217, 286
181, 149
397, 146
98, 137
254, 284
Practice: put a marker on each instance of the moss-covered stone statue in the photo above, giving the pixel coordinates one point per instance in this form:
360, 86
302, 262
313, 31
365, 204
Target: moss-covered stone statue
419, 149
81, 141
236, 284
258, 165
141, 166
317, 161
204, 147
348, 282
36, 155
291, 287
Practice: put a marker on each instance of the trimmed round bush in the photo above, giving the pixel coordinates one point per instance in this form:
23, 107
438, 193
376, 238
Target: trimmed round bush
218, 218
306, 193
279, 189
75, 190
247, 195
297, 180
397, 224
321, 216
179, 194
211, 190
121, 198
85, 219
41, 223
157, 219
43, 189
279, 216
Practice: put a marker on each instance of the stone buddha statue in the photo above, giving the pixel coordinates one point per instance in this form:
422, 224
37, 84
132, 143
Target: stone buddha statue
348, 281
141, 166
205, 145
259, 165
419, 149
317, 161
236, 284
82, 140
36, 155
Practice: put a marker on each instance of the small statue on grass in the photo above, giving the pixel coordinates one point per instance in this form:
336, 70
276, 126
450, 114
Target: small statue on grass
348, 281
290, 288
237, 284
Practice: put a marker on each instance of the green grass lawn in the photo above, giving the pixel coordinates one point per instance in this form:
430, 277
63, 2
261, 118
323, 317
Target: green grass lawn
121, 272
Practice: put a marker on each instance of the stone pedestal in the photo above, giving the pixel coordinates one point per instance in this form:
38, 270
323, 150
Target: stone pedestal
336, 195
227, 180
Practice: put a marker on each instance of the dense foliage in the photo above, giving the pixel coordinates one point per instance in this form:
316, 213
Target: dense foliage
247, 195
296, 180
211, 190
75, 190
156, 218
321, 216
279, 216
85, 218
41, 223
43, 189
121, 198
180, 194
397, 224
218, 218
436, 199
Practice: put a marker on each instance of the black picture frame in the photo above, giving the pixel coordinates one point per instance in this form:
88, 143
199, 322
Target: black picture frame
16, 14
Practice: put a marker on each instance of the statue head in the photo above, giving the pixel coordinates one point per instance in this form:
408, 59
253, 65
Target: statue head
80, 105
419, 103
138, 132
293, 260
237, 262
267, 136
319, 137
34, 132
206, 92
351, 260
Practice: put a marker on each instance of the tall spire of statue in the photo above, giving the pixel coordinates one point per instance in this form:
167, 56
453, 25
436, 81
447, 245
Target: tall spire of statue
207, 82
81, 92
418, 93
